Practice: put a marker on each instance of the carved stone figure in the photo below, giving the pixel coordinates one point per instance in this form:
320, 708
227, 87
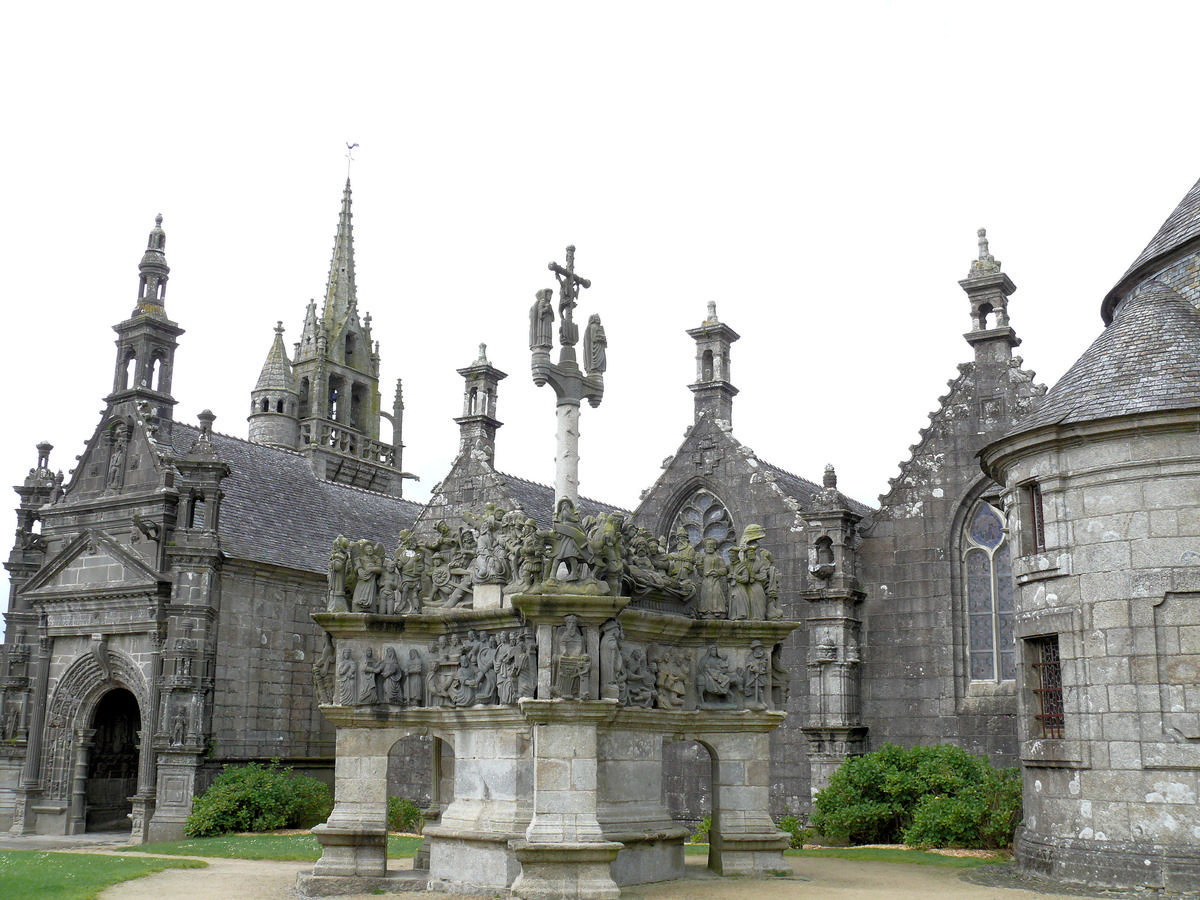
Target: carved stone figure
574, 662
639, 680
505, 665
490, 565
178, 727
393, 678
526, 664
368, 681
714, 680
324, 676
672, 672
741, 577
570, 554
604, 540
612, 663
116, 462
682, 560
756, 676
347, 673
541, 321
714, 602
770, 580
485, 664
595, 345
414, 678
528, 560
368, 566
410, 566
339, 562
781, 679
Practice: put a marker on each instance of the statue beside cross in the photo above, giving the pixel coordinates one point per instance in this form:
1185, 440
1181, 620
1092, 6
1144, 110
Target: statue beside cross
570, 383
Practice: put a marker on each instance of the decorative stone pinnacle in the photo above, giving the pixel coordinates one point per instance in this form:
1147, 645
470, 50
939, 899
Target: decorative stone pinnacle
158, 219
986, 264
206, 418
712, 313
279, 327
483, 360
830, 480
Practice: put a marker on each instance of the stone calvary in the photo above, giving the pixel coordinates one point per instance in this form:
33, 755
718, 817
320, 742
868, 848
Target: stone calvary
551, 666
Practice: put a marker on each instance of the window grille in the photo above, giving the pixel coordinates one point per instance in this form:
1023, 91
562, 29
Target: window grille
1047, 668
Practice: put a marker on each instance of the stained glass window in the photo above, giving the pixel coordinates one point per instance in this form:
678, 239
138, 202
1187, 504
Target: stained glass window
987, 575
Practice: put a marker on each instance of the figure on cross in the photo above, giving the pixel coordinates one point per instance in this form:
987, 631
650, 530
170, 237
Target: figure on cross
568, 296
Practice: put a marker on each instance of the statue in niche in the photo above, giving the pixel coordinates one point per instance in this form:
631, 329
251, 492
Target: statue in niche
682, 560
347, 673
604, 540
526, 665
179, 726
595, 346
485, 657
570, 554
324, 675
116, 462
756, 676
541, 321
368, 685
612, 663
461, 686
639, 680
410, 566
672, 670
574, 662
770, 582
505, 664
339, 563
714, 601
393, 678
715, 682
781, 678
368, 567
414, 678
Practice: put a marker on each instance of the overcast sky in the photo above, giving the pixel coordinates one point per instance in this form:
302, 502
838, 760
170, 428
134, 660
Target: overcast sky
818, 170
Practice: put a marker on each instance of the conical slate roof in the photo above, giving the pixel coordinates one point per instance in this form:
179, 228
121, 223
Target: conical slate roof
276, 372
1147, 360
1181, 227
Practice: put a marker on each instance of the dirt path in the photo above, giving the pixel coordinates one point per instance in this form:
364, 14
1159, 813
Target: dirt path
812, 878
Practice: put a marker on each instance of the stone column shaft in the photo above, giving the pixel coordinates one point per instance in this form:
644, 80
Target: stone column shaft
566, 453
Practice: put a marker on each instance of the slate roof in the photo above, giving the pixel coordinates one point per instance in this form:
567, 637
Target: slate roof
277, 511
538, 501
1147, 360
804, 490
1181, 227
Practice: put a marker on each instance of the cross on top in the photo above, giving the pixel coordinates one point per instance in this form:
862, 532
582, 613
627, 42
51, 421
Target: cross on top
568, 283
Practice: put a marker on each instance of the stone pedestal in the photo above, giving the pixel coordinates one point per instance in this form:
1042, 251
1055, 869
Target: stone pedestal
566, 870
173, 797
743, 838
354, 839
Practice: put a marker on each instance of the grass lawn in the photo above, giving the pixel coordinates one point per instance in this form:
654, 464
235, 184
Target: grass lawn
264, 846
880, 854
40, 875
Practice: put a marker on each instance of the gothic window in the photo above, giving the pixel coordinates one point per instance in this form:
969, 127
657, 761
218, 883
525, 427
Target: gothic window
704, 516
987, 564
350, 349
304, 397
278, 406
1047, 671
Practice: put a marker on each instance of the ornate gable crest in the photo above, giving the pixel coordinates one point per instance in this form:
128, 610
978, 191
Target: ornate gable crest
92, 562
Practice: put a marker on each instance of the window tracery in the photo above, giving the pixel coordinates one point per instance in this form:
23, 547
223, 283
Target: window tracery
987, 576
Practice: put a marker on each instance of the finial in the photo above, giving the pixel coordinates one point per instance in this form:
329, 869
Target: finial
206, 418
158, 219
712, 311
279, 327
830, 480
986, 264
483, 360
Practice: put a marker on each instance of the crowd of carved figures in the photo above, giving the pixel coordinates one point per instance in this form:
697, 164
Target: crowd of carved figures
601, 554
499, 668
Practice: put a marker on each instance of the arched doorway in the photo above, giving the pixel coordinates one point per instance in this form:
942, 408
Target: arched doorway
112, 776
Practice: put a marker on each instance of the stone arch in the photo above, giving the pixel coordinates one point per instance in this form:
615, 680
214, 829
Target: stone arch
698, 507
73, 706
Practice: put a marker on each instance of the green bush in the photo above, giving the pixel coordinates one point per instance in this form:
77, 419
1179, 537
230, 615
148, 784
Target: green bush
254, 797
700, 835
404, 815
921, 796
800, 834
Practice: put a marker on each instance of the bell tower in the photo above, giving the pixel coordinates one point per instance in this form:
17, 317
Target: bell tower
478, 423
146, 341
713, 391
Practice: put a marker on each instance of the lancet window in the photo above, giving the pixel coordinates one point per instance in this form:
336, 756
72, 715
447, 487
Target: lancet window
987, 575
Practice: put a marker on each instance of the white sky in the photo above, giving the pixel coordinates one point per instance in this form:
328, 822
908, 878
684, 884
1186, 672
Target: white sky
819, 170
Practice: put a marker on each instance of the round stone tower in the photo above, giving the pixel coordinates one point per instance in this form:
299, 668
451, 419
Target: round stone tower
1102, 489
275, 402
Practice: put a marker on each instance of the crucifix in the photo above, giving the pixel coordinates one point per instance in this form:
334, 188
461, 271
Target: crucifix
570, 383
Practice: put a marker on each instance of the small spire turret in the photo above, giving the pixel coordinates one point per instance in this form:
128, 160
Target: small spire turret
154, 270
713, 390
274, 402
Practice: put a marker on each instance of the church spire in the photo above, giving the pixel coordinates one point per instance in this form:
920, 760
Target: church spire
988, 289
154, 271
340, 296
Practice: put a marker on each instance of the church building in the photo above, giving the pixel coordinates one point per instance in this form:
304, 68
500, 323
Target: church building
1026, 588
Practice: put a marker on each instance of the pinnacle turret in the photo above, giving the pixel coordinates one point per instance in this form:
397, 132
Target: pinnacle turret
154, 271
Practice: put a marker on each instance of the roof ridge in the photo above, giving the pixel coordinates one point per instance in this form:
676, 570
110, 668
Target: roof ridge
549, 488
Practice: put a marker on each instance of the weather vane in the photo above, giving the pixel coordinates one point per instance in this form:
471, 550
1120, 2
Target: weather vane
350, 148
